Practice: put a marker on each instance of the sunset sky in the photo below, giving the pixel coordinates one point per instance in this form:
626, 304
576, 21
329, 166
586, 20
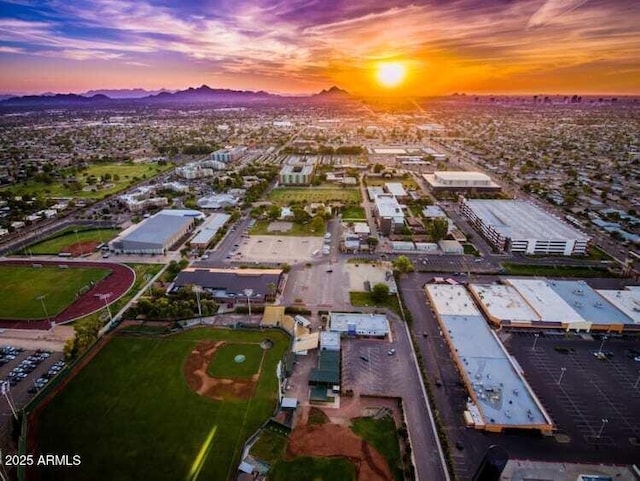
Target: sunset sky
296, 46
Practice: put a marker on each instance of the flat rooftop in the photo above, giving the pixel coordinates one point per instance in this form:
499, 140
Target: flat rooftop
388, 206
504, 303
370, 322
588, 303
451, 300
462, 175
627, 300
503, 396
396, 189
157, 229
210, 228
545, 301
518, 219
230, 280
389, 150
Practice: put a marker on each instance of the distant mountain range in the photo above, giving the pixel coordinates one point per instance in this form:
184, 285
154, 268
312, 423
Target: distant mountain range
203, 94
125, 93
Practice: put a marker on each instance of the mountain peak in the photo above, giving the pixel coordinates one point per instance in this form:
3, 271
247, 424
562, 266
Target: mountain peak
333, 91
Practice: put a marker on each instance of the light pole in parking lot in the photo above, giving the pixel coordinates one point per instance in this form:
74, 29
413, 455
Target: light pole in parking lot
562, 371
604, 422
535, 341
602, 344
44, 307
249, 293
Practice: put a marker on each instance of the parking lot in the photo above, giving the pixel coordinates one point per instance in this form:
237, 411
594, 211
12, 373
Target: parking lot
368, 368
593, 399
451, 395
396, 374
267, 248
24, 373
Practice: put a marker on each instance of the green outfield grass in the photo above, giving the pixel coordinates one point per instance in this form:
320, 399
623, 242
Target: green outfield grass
223, 363
382, 435
127, 172
56, 244
130, 414
286, 195
21, 286
313, 469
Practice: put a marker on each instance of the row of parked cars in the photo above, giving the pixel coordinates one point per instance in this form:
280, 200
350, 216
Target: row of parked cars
9, 353
27, 366
44, 379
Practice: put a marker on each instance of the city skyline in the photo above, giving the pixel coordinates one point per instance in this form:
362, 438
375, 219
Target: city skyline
491, 47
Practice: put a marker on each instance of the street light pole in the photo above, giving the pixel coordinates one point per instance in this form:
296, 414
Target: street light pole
602, 344
604, 422
635, 386
562, 371
44, 307
249, 293
104, 297
535, 341
196, 289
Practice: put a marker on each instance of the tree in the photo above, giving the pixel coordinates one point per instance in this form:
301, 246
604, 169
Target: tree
317, 224
439, 229
274, 212
403, 265
380, 292
372, 242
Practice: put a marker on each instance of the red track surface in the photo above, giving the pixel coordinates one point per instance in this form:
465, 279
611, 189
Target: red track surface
117, 283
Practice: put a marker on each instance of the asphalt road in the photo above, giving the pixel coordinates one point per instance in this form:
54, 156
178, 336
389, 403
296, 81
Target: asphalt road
395, 375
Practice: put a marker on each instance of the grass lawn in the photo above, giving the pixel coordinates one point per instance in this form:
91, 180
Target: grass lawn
364, 299
270, 446
353, 213
382, 435
21, 286
224, 365
313, 469
555, 271
54, 245
261, 227
130, 414
128, 174
286, 195
470, 249
596, 254
408, 183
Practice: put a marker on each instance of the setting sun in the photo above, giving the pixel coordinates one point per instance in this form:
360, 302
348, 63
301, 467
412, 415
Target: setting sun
391, 74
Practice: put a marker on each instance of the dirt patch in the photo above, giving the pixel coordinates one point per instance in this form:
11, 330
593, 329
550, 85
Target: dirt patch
81, 248
327, 440
220, 389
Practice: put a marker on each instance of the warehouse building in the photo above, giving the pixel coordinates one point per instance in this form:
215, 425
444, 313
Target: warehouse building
519, 226
208, 230
157, 234
500, 397
229, 285
460, 182
627, 300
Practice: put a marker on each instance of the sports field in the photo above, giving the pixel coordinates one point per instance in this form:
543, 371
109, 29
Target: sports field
21, 286
225, 365
131, 415
313, 469
286, 195
127, 175
57, 244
